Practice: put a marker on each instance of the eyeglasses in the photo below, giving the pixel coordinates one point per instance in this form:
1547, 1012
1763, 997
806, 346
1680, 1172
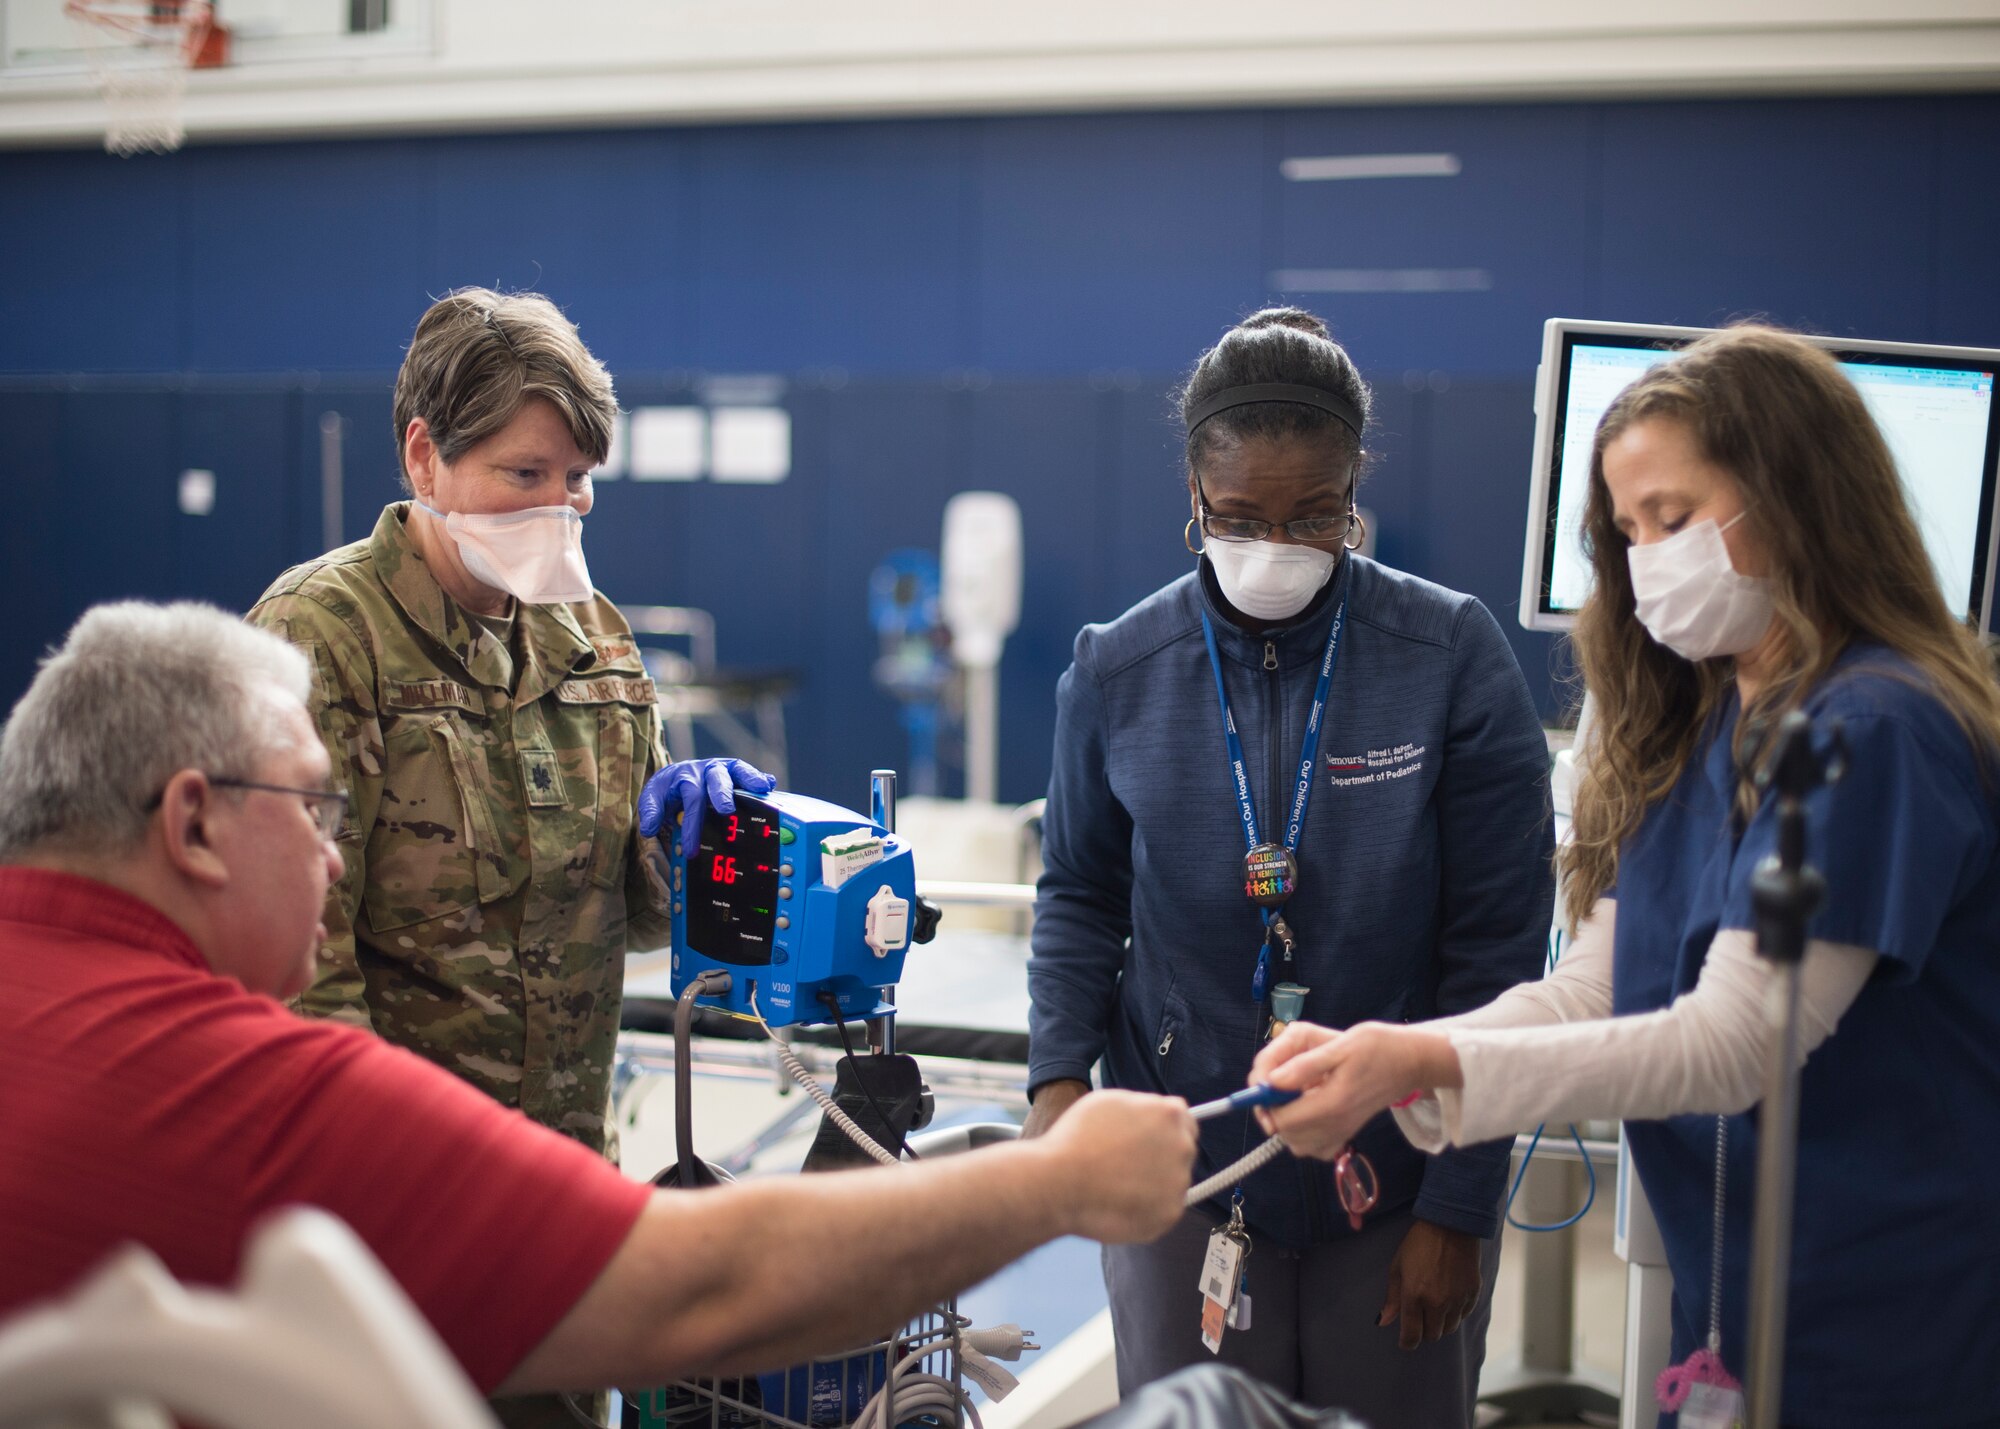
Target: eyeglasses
1306, 528
1354, 1179
327, 806
1244, 528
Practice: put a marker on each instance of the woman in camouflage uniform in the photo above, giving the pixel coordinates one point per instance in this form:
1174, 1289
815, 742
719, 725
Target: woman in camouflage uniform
490, 719
489, 716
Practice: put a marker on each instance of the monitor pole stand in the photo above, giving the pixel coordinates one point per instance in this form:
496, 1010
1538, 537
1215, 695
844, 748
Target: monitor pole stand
1785, 892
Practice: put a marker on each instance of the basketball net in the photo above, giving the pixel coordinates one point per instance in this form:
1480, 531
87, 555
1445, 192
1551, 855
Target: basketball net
140, 52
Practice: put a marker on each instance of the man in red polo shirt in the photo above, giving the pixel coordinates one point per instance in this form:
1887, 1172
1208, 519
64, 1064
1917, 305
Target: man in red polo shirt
164, 856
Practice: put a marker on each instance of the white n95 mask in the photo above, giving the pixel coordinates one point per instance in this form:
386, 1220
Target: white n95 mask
535, 555
1692, 600
1268, 580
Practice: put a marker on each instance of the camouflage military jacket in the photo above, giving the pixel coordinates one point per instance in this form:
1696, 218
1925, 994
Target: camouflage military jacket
494, 876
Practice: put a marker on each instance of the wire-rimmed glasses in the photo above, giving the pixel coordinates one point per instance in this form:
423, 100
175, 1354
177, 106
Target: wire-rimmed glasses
1248, 528
1305, 529
327, 806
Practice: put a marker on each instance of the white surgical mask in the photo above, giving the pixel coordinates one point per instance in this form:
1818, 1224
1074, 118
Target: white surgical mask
1269, 580
1692, 600
535, 555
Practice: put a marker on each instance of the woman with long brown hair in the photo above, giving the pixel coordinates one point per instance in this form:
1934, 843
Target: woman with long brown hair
1754, 554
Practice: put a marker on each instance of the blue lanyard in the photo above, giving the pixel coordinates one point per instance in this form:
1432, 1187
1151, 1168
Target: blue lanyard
1308, 755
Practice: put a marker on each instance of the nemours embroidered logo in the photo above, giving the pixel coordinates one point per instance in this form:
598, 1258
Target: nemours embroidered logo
1373, 766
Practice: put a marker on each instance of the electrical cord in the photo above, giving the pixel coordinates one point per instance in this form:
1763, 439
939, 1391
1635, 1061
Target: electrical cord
1589, 1200
1590, 1197
917, 1392
832, 1001
693, 1173
923, 1394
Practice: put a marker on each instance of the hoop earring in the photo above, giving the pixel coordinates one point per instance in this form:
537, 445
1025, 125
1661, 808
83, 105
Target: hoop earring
1357, 532
1187, 538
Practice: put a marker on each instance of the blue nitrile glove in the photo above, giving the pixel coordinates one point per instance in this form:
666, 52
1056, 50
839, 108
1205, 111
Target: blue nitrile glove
691, 788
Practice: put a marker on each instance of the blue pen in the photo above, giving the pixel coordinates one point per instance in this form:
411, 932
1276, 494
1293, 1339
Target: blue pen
1263, 1094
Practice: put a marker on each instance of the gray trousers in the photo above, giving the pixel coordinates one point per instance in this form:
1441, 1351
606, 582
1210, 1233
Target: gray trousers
1312, 1334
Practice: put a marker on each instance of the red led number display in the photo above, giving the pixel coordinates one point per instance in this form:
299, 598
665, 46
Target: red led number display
732, 885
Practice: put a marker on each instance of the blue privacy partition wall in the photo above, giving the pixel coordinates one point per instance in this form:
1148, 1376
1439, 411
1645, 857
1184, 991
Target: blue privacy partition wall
997, 303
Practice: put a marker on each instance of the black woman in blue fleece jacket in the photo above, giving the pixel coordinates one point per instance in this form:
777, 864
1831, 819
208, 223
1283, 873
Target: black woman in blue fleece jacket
1292, 768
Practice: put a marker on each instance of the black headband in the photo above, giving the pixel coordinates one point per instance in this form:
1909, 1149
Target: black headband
1331, 402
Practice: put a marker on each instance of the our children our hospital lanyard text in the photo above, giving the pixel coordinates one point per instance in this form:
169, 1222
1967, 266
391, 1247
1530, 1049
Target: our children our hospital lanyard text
1271, 870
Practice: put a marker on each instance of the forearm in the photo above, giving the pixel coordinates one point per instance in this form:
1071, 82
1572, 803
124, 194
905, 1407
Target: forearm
1049, 1101
769, 1273
908, 1239
1576, 989
1704, 1053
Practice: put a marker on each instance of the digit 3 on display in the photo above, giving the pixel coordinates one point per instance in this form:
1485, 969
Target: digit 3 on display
796, 898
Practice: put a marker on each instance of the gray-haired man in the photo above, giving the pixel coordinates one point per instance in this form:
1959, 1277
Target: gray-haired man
164, 858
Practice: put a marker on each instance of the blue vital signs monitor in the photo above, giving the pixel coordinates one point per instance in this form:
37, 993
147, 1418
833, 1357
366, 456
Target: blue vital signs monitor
794, 897
1935, 406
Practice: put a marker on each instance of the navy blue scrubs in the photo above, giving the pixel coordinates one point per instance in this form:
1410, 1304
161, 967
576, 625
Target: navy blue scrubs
1895, 1290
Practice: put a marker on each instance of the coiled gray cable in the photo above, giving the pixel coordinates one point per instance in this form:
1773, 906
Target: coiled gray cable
1237, 1171
819, 1093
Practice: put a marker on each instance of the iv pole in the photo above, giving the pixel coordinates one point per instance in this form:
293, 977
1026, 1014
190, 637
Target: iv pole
1786, 893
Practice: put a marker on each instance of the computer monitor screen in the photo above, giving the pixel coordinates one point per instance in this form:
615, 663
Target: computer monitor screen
1934, 405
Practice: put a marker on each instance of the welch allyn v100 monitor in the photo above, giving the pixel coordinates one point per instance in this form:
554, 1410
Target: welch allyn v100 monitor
796, 899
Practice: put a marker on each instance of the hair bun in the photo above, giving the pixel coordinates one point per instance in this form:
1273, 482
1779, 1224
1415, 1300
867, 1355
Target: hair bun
1277, 345
1297, 319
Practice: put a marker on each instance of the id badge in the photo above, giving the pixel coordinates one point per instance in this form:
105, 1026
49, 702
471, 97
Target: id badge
1221, 1268
1710, 1406
1221, 1277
